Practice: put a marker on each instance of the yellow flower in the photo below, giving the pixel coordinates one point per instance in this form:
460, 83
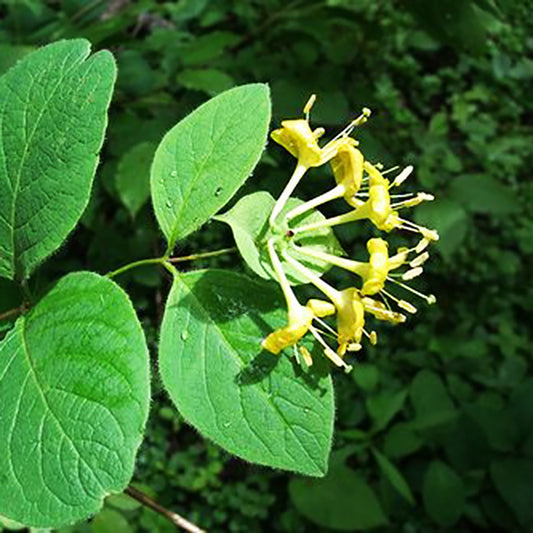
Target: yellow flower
350, 320
378, 208
347, 168
297, 137
367, 189
376, 271
300, 320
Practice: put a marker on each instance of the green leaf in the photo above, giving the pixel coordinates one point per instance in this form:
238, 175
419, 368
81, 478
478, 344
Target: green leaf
483, 194
206, 157
401, 440
394, 476
11, 525
55, 104
384, 406
208, 80
207, 47
74, 388
342, 500
454, 22
248, 220
133, 176
449, 219
110, 521
122, 502
366, 376
431, 401
254, 404
443, 493
513, 480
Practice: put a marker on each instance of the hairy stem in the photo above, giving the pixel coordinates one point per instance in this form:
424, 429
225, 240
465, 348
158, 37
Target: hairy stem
129, 266
175, 518
163, 260
203, 255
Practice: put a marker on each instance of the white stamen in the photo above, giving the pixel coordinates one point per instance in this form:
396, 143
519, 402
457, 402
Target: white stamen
306, 356
402, 176
309, 105
296, 356
406, 306
429, 298
413, 273
419, 260
389, 170
422, 245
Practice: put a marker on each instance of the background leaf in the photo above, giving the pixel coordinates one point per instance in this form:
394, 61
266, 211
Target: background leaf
394, 476
55, 104
512, 478
443, 493
206, 157
254, 404
248, 220
74, 387
342, 500
451, 221
483, 194
133, 176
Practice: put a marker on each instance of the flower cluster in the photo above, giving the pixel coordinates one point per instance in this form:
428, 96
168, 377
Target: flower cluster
366, 188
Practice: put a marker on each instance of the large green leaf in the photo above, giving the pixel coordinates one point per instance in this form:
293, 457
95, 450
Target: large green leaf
252, 403
342, 500
248, 220
206, 157
74, 390
54, 112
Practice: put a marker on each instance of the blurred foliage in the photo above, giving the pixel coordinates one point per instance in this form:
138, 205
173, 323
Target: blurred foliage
435, 424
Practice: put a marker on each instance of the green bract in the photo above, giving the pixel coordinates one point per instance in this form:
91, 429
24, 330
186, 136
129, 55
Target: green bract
248, 220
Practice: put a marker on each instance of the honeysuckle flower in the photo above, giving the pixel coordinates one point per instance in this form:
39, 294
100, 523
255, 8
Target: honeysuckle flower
366, 188
297, 137
377, 271
300, 319
378, 207
350, 308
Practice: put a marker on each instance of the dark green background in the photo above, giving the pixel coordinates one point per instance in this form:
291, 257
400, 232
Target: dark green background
448, 397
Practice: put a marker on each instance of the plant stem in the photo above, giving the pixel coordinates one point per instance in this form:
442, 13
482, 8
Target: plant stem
203, 255
12, 312
129, 266
175, 518
165, 260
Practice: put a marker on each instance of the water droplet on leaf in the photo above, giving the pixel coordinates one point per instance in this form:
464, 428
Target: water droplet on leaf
218, 191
